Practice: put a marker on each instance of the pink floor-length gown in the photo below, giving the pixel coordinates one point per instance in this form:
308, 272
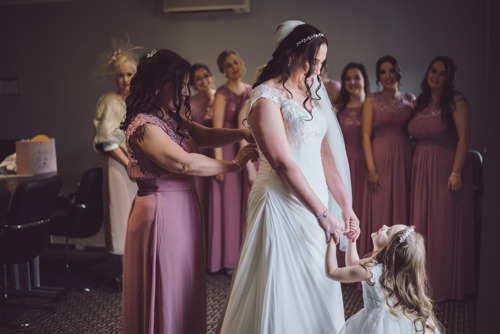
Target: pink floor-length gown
445, 219
227, 200
350, 123
392, 157
202, 113
164, 278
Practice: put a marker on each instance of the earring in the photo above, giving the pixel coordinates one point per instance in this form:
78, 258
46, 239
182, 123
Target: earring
157, 91
289, 64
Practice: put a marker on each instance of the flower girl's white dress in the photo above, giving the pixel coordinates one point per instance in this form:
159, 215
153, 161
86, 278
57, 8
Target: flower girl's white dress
376, 317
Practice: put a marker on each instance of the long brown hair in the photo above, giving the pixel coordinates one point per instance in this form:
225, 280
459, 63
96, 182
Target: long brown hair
446, 99
278, 65
404, 278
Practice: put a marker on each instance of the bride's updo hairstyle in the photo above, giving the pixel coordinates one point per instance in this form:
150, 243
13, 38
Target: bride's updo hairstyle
156, 69
293, 38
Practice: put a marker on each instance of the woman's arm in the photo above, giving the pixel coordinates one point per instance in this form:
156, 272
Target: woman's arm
218, 122
251, 170
351, 273
462, 119
269, 132
374, 181
337, 188
215, 137
118, 155
167, 154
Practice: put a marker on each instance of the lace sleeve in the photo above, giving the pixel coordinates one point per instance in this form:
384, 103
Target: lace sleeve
376, 270
262, 91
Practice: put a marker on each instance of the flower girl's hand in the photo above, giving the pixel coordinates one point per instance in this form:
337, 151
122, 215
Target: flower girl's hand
354, 231
349, 217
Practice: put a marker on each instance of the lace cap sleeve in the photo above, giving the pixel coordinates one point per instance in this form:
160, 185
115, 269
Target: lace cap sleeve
376, 269
264, 92
141, 120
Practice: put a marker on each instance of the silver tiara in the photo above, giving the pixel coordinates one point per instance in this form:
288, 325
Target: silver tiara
308, 38
406, 234
149, 55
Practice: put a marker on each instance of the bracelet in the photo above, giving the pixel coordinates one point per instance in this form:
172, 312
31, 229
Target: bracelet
455, 174
237, 164
323, 215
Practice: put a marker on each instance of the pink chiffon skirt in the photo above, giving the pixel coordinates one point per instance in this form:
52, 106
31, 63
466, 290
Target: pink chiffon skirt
164, 279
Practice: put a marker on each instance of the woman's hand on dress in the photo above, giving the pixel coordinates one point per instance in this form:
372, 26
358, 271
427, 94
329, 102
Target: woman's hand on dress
247, 153
331, 226
455, 183
247, 135
374, 182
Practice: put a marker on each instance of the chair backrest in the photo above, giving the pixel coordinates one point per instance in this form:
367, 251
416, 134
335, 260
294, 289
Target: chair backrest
477, 170
31, 209
4, 204
86, 215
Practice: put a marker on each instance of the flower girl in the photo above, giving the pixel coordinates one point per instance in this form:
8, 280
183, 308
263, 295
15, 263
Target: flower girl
394, 283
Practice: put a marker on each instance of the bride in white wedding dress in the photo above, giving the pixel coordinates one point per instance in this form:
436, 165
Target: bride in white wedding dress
298, 200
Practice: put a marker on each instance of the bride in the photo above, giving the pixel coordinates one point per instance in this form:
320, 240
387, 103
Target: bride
298, 200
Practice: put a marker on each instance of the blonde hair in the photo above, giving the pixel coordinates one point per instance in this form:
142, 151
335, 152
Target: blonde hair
122, 52
404, 278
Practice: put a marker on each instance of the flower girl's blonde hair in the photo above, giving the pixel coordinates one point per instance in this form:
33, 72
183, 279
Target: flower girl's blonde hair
405, 279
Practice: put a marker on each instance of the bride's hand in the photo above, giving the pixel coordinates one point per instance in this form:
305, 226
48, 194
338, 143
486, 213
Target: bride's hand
331, 226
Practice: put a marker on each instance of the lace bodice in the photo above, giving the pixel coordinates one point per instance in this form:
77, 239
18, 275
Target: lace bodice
390, 113
234, 103
304, 132
428, 127
350, 122
374, 296
140, 167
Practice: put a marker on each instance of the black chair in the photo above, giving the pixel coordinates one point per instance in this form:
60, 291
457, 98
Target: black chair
23, 234
80, 214
477, 171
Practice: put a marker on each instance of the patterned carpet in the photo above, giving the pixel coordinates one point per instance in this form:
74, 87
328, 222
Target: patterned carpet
98, 310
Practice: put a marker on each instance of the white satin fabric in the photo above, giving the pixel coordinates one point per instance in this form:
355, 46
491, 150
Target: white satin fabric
280, 284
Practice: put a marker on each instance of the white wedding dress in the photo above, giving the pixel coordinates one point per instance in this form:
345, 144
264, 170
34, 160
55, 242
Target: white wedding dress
280, 285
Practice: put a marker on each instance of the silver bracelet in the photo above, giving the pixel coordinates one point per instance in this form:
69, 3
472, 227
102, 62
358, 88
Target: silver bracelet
237, 164
323, 215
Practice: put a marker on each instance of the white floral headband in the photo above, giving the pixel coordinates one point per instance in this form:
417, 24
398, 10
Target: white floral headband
406, 234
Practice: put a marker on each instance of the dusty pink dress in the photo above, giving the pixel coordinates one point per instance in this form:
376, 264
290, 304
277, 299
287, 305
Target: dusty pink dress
350, 123
164, 278
202, 113
392, 157
227, 199
445, 219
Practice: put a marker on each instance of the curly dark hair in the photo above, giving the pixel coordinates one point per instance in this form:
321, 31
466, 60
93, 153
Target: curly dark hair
344, 96
278, 65
395, 64
446, 100
153, 72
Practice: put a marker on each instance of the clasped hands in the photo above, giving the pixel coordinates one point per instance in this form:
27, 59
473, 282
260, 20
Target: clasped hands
332, 227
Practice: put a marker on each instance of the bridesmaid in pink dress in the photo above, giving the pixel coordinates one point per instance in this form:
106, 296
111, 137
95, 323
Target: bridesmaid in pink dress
387, 148
164, 278
201, 79
349, 104
442, 184
228, 193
